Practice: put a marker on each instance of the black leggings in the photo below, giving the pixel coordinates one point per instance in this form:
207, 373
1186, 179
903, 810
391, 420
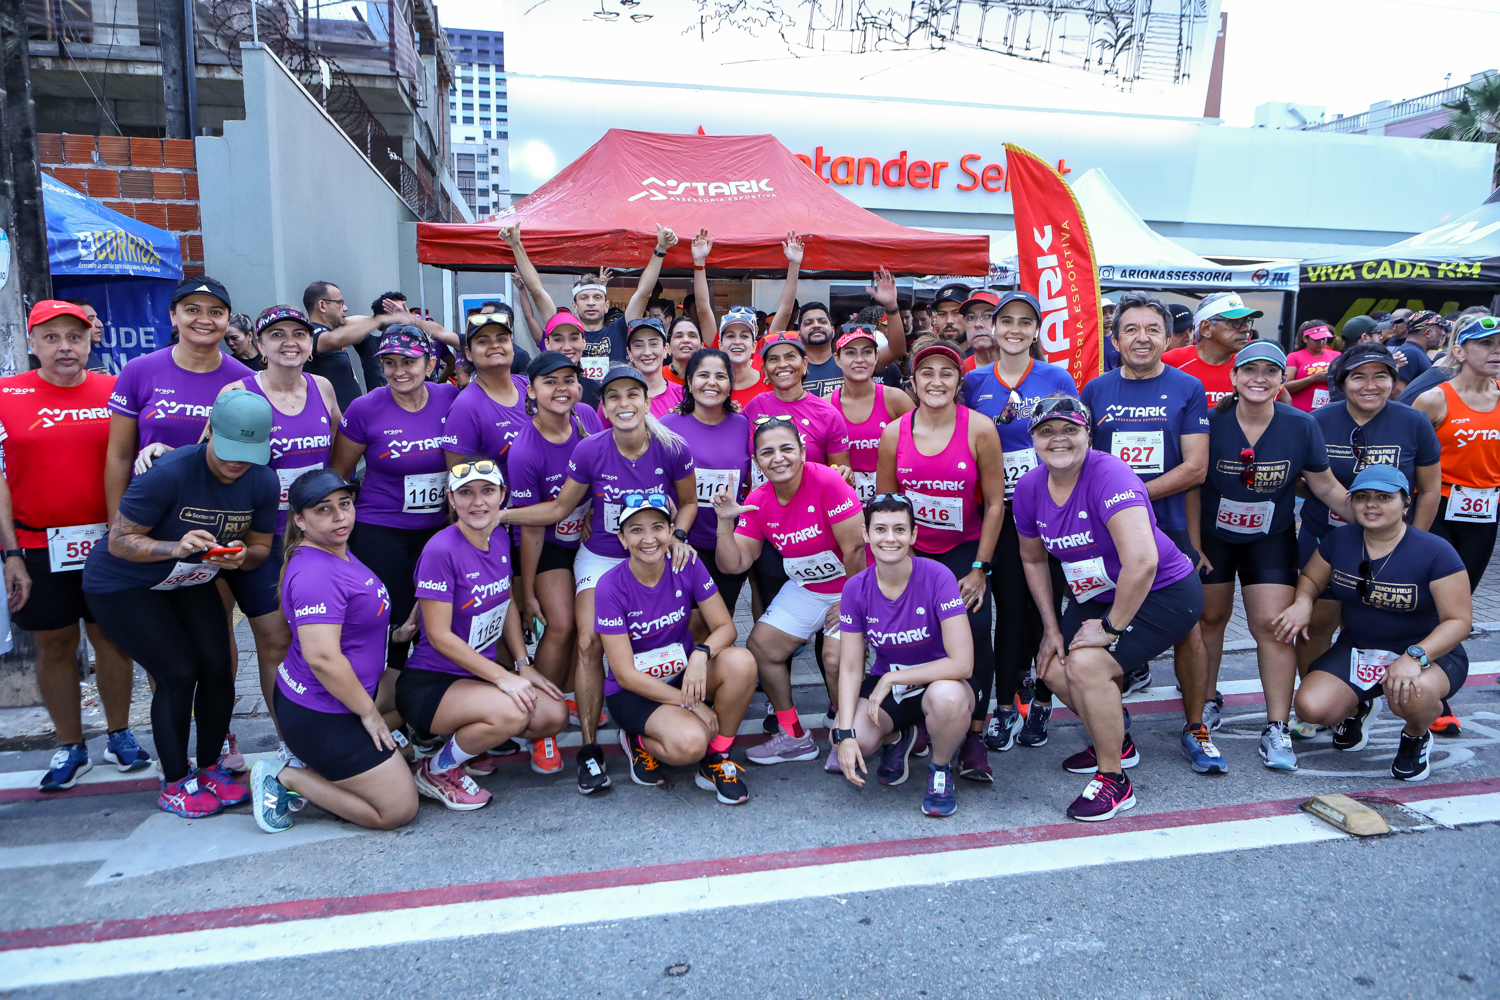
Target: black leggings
960, 561
181, 638
1474, 542
392, 554
1016, 644
729, 584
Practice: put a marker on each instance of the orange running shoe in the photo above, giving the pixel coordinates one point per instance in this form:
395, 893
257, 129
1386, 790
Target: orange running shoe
1446, 724
544, 756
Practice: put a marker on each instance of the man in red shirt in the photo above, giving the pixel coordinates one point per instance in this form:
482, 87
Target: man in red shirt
54, 428
979, 324
1223, 322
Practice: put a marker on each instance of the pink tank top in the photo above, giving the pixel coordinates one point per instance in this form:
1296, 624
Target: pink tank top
864, 441
943, 488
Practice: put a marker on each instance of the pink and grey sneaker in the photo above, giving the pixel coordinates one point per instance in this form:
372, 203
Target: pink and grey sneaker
783, 748
452, 788
222, 784
230, 758
1086, 761
1105, 795
188, 798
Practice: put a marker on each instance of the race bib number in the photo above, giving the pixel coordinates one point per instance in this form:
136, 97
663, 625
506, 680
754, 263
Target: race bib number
937, 512
612, 512
188, 575
818, 568
864, 485
1087, 578
1466, 504
595, 365
289, 476
1245, 518
664, 664
901, 692
757, 478
1141, 450
1320, 397
570, 528
487, 626
68, 548
1367, 666
1017, 464
1334, 521
710, 481
424, 493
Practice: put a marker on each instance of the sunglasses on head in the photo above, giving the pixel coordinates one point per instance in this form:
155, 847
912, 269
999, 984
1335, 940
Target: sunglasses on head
482, 468
488, 319
784, 418
1247, 460
634, 501
900, 498
1048, 408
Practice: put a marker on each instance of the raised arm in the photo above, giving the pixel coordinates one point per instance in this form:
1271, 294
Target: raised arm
703, 245
883, 291
665, 240
532, 281
793, 249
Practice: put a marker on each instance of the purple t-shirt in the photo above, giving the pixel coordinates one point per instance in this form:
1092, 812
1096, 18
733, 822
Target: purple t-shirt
299, 443
656, 618
609, 475
538, 469
824, 431
481, 426
721, 457
322, 589
406, 475
1077, 533
476, 583
170, 403
908, 631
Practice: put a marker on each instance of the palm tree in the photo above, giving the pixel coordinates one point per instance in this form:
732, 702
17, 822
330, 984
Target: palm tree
1474, 117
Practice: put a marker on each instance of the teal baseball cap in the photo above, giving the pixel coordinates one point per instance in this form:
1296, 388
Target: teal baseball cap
241, 427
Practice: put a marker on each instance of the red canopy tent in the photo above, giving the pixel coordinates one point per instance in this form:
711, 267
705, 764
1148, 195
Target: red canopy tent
748, 190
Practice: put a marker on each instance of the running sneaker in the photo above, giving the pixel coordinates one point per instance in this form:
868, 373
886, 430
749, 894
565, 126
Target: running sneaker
832, 764
1105, 795
592, 774
829, 717
718, 774
1138, 681
122, 750
188, 799
230, 758
285, 755
1301, 730
1198, 747
894, 768
923, 745
274, 802
221, 782
1034, 732
1351, 735
69, 763
483, 765
506, 749
452, 787
544, 756
1446, 724
644, 768
940, 799
1213, 712
421, 749
1005, 725
573, 715
1086, 761
1413, 758
772, 724
974, 759
1276, 747
783, 748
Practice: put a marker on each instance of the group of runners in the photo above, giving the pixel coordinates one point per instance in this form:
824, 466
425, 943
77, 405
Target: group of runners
437, 578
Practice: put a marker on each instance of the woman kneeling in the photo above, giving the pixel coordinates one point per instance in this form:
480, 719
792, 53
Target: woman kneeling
911, 613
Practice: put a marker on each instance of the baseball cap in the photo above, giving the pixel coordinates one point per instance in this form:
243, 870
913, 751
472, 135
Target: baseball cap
313, 485
941, 347
953, 292
1476, 327
739, 314
856, 331
1020, 296
774, 339
984, 298
405, 340
1182, 317
479, 321
632, 504
1227, 305
548, 362
1317, 333
650, 323
1260, 350
562, 318
1362, 354
1109, 300
1386, 478
1069, 408
621, 371
49, 309
200, 286
1357, 326
241, 426
484, 470
276, 314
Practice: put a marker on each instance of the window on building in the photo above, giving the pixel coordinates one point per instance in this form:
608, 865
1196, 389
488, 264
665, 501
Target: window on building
482, 157
468, 106
465, 161
468, 93
469, 120
453, 120
484, 94
486, 134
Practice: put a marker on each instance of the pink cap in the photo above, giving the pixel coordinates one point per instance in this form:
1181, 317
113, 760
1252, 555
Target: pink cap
562, 318
1317, 333
946, 350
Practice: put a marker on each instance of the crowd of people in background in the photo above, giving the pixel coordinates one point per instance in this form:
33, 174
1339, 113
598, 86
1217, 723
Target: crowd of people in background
449, 551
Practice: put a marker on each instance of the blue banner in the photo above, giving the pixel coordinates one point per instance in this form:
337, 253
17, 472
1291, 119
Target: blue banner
135, 313
85, 238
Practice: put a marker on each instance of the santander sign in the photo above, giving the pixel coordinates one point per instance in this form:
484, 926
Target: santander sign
973, 174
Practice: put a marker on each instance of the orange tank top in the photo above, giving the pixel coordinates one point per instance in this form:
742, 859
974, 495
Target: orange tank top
1470, 440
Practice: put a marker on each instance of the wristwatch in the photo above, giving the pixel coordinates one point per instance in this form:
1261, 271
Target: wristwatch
658, 253
840, 735
705, 650
1420, 655
679, 534
1109, 627
976, 564
17, 553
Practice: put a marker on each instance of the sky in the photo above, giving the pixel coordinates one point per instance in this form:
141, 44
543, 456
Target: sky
1341, 54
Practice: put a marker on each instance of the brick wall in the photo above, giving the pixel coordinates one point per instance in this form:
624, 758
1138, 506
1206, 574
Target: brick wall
153, 180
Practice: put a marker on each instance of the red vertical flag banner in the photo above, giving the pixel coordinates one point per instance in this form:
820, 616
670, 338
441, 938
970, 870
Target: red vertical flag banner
1057, 263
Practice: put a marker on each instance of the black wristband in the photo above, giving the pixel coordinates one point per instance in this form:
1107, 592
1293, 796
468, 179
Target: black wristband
658, 253
840, 735
706, 651
1108, 627
17, 553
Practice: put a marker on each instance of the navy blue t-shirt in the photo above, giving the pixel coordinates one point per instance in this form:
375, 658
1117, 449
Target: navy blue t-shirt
1397, 610
1417, 360
1238, 512
1147, 419
1398, 435
176, 495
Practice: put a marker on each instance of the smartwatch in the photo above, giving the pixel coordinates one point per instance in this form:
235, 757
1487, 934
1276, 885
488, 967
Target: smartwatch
1108, 627
658, 253
13, 553
976, 564
679, 534
705, 650
840, 735
1420, 655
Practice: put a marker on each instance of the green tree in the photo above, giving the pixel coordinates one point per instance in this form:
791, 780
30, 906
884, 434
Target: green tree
1475, 117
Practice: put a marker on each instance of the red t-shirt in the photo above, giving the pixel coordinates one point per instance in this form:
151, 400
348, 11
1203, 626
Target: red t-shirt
1215, 378
55, 440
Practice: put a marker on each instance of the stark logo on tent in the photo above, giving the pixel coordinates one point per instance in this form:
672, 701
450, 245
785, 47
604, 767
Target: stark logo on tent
701, 189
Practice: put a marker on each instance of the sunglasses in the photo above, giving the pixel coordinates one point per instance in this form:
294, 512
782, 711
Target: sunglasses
489, 319
900, 498
1362, 585
1012, 409
1357, 445
781, 418
1488, 324
1247, 461
636, 501
1049, 408
1243, 323
482, 468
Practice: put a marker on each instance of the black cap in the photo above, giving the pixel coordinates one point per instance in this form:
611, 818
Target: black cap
1182, 317
1357, 326
310, 487
954, 292
201, 286
548, 362
1361, 354
622, 371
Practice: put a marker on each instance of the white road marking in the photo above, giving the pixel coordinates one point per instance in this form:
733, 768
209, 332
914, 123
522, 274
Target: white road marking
1460, 809
73, 853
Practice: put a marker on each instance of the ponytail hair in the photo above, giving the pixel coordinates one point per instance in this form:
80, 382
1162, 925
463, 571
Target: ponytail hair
291, 541
1227, 403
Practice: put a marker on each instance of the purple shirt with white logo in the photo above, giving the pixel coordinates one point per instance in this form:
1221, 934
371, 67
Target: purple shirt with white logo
609, 475
476, 583
406, 475
322, 589
654, 617
538, 469
721, 456
908, 631
170, 403
481, 426
299, 443
1077, 532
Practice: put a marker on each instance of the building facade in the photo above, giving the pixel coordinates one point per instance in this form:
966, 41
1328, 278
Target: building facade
477, 119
